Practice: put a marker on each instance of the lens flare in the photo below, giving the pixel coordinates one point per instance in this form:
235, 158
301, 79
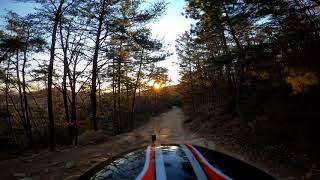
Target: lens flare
157, 86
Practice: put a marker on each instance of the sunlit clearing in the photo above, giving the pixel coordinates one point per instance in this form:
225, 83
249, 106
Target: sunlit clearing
156, 85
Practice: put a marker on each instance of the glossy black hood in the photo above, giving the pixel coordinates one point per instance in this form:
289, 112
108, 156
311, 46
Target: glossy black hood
174, 162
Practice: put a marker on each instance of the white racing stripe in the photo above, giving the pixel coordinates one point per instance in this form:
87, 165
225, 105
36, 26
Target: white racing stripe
209, 165
194, 163
146, 164
160, 170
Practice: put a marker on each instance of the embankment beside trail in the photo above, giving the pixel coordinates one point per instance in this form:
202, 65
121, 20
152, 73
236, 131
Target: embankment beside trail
236, 138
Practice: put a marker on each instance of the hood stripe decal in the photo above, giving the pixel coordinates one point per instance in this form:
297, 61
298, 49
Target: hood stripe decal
160, 170
212, 172
194, 163
148, 171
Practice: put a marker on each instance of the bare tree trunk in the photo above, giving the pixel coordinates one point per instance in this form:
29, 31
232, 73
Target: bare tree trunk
119, 96
20, 90
99, 94
155, 109
95, 69
26, 105
119, 88
127, 102
65, 47
191, 87
7, 99
115, 119
241, 66
74, 105
226, 50
50, 74
139, 89
22, 116
232, 31
135, 89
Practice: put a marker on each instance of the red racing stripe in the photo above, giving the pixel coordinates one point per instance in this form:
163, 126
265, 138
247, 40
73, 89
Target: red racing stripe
208, 169
150, 173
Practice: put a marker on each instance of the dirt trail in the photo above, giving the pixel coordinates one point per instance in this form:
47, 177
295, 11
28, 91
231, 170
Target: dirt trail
167, 126
169, 129
69, 163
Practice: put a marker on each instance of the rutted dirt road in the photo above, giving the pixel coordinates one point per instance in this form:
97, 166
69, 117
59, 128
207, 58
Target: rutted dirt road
69, 163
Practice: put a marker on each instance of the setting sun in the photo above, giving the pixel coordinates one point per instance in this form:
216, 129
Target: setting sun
156, 85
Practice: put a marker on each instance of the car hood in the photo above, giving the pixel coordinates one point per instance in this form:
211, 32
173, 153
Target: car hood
174, 161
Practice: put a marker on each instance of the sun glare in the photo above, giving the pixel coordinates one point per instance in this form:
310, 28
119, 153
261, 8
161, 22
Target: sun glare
156, 85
